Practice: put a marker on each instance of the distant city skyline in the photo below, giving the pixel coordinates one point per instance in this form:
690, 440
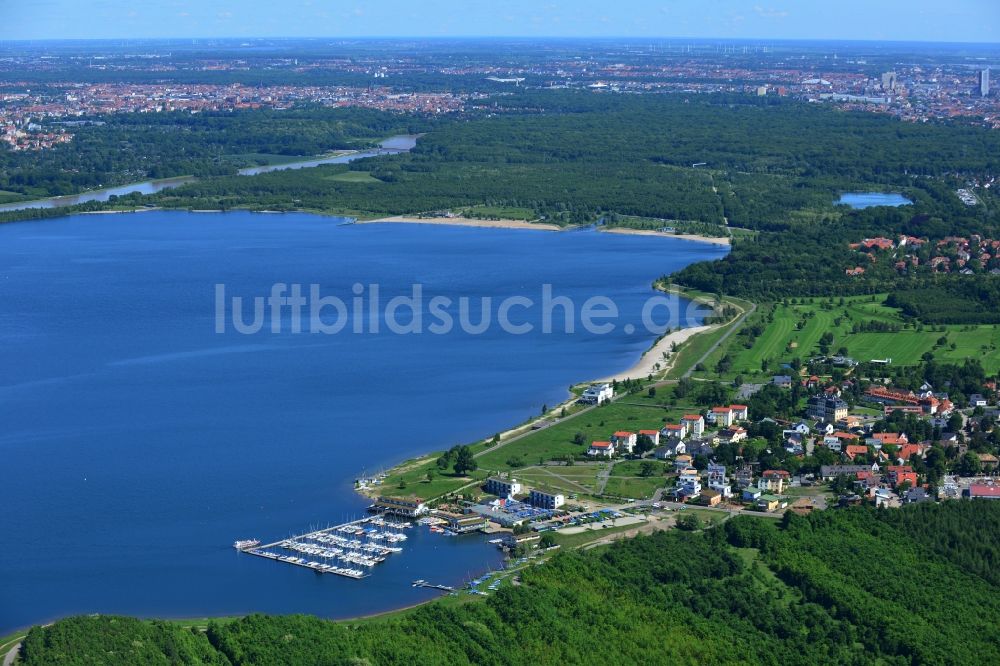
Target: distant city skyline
882, 20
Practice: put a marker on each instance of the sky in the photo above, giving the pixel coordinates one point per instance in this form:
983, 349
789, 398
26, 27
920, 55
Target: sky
880, 20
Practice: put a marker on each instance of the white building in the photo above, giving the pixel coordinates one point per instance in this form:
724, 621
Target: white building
603, 449
718, 481
695, 424
503, 487
544, 499
624, 441
597, 394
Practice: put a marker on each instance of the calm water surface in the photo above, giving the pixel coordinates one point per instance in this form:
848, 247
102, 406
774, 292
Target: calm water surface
859, 200
137, 443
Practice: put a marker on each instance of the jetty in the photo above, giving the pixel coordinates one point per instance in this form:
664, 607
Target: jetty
349, 549
424, 583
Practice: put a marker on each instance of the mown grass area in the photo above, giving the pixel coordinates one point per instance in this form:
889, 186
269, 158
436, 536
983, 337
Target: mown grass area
575, 480
637, 412
794, 330
353, 177
634, 487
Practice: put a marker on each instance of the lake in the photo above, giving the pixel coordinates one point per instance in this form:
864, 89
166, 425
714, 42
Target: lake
858, 200
396, 144
138, 443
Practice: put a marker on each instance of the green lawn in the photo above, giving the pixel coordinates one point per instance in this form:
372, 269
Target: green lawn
353, 177
796, 329
634, 487
638, 412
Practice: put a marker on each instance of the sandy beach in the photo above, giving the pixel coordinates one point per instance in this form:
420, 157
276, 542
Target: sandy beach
654, 355
465, 222
649, 232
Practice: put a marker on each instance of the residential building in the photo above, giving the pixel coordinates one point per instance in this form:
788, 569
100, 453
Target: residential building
774, 481
545, 499
769, 502
688, 490
900, 474
721, 416
984, 82
597, 394
740, 412
688, 475
984, 491
782, 381
674, 430
682, 462
654, 436
718, 481
695, 424
752, 494
710, 497
733, 435
831, 472
501, 487
976, 400
603, 449
624, 441
828, 409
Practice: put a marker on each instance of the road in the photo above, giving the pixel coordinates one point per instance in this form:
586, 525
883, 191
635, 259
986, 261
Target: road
725, 336
11, 655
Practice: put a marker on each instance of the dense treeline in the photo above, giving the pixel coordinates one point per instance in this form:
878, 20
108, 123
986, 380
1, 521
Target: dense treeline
854, 586
125, 148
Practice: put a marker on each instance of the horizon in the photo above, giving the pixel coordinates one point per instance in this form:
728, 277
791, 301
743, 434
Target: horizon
904, 21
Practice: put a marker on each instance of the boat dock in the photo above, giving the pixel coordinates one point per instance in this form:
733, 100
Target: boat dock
349, 550
424, 583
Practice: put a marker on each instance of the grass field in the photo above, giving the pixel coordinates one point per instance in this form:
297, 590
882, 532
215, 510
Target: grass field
638, 412
794, 330
353, 177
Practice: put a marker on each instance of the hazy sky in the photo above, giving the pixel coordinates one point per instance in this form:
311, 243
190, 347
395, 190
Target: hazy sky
923, 20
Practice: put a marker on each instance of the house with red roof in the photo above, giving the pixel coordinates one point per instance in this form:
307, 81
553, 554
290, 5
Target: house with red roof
984, 491
624, 441
653, 435
695, 424
722, 416
602, 449
740, 412
674, 430
900, 474
852, 451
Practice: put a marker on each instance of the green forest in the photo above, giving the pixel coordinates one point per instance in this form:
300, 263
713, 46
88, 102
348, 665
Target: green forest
853, 586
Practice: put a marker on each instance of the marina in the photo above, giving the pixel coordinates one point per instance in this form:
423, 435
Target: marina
349, 550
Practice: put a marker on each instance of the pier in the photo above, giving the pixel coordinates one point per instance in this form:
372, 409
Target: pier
349, 550
424, 583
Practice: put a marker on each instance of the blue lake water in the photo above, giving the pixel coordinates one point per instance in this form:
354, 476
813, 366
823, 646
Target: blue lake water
858, 200
138, 443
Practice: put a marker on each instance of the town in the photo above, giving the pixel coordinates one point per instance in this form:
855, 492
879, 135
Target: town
856, 442
42, 94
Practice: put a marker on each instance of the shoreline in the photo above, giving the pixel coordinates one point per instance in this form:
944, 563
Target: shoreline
720, 240
652, 357
464, 222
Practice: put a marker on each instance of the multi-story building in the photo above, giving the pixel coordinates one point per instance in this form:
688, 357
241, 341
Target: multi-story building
546, 499
501, 487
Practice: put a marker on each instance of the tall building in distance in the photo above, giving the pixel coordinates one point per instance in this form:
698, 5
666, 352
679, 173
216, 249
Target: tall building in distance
889, 81
984, 82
